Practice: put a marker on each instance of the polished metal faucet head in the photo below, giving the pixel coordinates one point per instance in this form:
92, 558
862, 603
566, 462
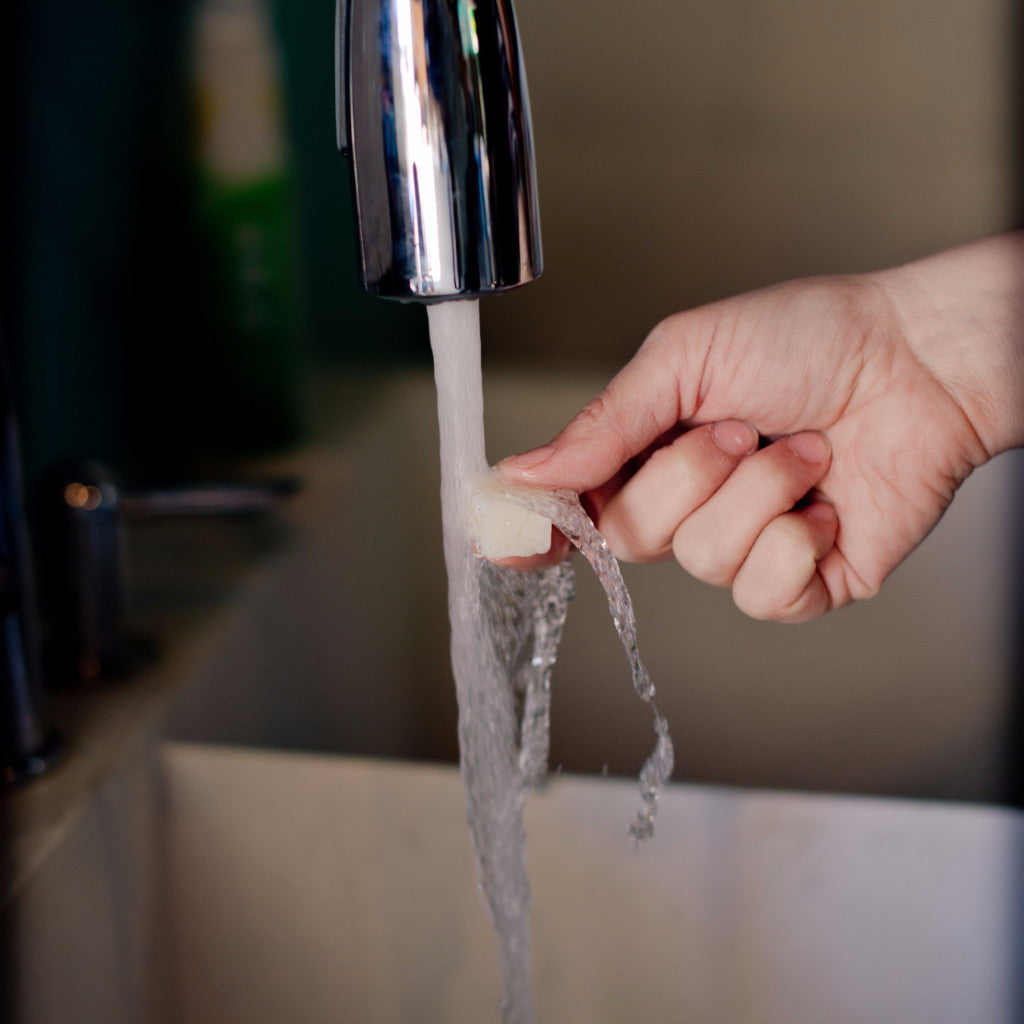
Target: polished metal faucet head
434, 113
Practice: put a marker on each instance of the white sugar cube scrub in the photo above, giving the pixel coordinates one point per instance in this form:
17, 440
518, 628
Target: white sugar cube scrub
501, 529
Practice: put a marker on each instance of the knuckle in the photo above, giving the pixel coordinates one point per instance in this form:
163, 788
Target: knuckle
790, 540
765, 598
778, 483
784, 475
760, 600
595, 410
592, 415
777, 581
681, 469
808, 604
626, 531
665, 333
758, 603
605, 422
700, 559
624, 538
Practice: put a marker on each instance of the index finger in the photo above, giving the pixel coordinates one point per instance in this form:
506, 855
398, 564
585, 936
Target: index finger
640, 404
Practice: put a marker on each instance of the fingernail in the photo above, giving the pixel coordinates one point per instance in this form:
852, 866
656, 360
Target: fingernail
735, 437
527, 461
810, 446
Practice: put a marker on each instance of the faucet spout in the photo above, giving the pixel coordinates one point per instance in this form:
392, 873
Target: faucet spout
434, 113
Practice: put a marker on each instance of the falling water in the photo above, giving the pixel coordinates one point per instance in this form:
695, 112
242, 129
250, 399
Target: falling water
505, 631
563, 508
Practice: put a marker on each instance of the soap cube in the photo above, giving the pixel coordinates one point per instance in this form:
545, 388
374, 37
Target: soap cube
505, 530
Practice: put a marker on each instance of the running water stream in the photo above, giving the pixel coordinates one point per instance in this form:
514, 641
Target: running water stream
505, 631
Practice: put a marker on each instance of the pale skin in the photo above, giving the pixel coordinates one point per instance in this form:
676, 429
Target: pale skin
795, 444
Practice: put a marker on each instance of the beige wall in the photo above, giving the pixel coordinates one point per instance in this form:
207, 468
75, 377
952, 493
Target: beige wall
689, 150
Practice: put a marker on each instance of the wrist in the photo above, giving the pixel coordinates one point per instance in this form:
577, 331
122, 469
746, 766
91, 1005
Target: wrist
962, 315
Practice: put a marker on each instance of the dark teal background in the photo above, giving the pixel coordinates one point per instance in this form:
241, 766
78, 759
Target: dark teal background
107, 301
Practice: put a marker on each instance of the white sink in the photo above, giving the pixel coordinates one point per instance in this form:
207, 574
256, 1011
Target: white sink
320, 889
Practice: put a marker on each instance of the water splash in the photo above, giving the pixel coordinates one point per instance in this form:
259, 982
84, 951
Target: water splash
506, 627
525, 613
564, 509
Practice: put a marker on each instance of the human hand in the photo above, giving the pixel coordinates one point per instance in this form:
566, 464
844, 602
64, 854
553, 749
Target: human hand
874, 391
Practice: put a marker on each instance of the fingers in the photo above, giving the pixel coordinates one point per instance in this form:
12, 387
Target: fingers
715, 541
779, 579
639, 516
727, 512
728, 516
636, 408
640, 519
731, 515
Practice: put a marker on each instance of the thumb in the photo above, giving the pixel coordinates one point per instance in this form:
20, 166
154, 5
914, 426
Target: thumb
636, 408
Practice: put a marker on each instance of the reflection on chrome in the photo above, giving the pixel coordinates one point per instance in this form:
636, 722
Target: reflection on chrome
434, 111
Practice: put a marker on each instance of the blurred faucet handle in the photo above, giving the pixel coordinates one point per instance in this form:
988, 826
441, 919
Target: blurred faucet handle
85, 515
234, 498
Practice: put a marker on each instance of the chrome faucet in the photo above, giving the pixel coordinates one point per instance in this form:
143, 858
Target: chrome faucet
433, 110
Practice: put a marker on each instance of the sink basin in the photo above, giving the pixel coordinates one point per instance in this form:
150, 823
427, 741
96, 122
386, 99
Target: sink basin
280, 836
327, 889
209, 884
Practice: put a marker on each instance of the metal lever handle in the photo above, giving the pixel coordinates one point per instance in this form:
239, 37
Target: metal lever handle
87, 517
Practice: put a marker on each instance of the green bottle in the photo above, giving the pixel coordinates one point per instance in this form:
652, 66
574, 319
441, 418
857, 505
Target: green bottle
251, 363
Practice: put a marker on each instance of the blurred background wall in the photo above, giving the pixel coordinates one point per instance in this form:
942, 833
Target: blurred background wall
691, 150
687, 150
